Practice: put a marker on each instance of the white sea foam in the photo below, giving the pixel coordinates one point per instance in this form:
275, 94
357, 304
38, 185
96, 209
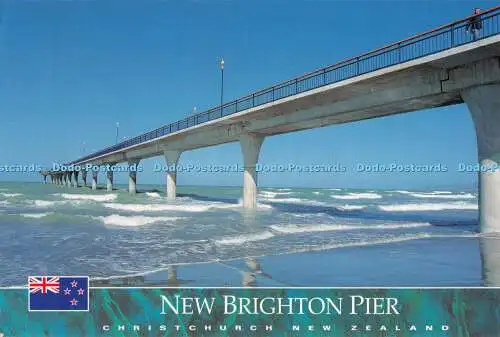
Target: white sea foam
355, 196
101, 197
271, 194
240, 239
133, 221
431, 193
44, 203
52, 203
363, 243
166, 207
428, 207
297, 201
350, 207
11, 195
35, 215
316, 192
157, 207
4, 202
153, 194
292, 229
434, 195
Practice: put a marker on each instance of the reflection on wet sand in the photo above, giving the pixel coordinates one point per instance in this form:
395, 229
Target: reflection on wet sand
490, 257
248, 272
249, 278
142, 280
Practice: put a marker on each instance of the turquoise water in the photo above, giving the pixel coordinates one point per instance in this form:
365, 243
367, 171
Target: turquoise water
48, 229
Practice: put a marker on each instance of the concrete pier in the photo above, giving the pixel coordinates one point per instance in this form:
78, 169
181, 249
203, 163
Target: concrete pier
468, 72
250, 148
484, 106
172, 157
75, 178
109, 180
132, 176
94, 179
68, 179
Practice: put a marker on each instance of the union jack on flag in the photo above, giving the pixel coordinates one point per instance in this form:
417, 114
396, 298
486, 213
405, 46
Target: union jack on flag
58, 293
44, 284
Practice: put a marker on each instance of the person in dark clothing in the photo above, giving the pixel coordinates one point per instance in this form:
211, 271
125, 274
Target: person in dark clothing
474, 24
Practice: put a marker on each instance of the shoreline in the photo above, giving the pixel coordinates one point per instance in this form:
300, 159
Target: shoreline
328, 268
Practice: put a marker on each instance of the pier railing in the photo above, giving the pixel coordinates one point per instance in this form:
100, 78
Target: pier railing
436, 40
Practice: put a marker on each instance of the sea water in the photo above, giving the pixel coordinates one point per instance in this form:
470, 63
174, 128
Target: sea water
305, 235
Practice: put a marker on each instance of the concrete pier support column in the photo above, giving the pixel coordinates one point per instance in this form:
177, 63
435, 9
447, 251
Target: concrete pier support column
94, 179
68, 179
250, 147
44, 179
109, 180
132, 176
172, 157
75, 179
84, 178
484, 106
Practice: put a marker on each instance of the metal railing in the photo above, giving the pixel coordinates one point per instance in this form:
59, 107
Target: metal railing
436, 40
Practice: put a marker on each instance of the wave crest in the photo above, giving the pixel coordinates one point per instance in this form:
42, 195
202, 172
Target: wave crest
293, 229
240, 239
133, 221
428, 207
101, 197
355, 196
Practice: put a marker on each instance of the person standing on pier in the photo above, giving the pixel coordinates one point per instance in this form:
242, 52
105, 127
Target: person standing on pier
474, 24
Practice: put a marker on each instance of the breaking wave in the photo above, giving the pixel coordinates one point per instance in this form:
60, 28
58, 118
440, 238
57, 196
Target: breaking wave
355, 196
157, 207
270, 194
350, 207
133, 221
11, 195
35, 215
438, 195
291, 229
240, 239
102, 197
173, 207
363, 243
428, 207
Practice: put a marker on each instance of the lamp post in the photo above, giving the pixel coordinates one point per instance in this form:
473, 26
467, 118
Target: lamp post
117, 126
221, 84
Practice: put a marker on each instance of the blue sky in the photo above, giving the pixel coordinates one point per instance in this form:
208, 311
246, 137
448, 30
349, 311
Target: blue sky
71, 69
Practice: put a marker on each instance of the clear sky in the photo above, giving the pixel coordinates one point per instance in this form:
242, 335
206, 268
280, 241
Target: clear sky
69, 70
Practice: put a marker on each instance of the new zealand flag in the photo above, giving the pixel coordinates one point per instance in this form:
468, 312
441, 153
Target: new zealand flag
58, 293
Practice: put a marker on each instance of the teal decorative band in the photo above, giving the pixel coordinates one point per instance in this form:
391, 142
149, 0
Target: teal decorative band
261, 312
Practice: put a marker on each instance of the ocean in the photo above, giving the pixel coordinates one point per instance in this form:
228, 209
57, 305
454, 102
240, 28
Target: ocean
296, 237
